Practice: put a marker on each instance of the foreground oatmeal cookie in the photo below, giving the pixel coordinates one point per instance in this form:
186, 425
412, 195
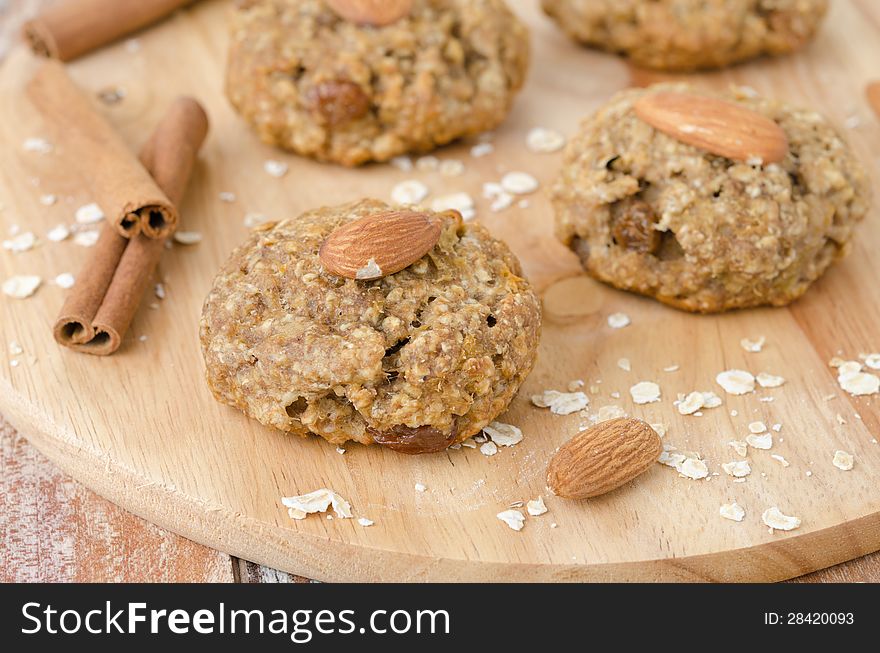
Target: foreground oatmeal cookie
416, 361
690, 34
324, 86
646, 211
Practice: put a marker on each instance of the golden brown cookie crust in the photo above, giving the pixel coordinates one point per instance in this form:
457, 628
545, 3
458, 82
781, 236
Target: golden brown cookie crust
315, 84
416, 361
648, 213
688, 35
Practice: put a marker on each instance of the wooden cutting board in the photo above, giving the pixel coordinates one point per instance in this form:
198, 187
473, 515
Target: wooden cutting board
142, 429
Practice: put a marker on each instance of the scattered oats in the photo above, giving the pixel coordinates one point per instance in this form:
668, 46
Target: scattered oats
615, 395
732, 511
340, 450
317, 501
843, 460
661, 429
187, 237
734, 412
409, 192
86, 238
575, 385
20, 243
461, 202
691, 404
672, 368
670, 457
252, 220
624, 364
58, 233
606, 413
89, 214
561, 403
15, 349
469, 444
736, 382
840, 419
769, 380
513, 518
753, 346
781, 460
693, 468
65, 280
618, 320
420, 487
777, 427
363, 521
370, 271
519, 183
544, 141
226, 196
403, 163
275, 168
38, 145
21, 286
872, 361
482, 149
159, 291
849, 367
773, 518
452, 168
48, 200
427, 163
13, 363
857, 383
645, 392
737, 468
764, 441
505, 435
501, 199
757, 428
536, 507
740, 447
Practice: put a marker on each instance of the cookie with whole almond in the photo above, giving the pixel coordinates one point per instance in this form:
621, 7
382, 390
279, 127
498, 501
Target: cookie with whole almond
408, 329
353, 81
687, 35
708, 202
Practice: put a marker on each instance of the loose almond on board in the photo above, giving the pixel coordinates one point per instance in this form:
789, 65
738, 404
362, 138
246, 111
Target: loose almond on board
371, 12
717, 126
603, 458
380, 244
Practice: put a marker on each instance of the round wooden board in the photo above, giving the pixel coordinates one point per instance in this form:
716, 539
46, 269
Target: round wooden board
142, 429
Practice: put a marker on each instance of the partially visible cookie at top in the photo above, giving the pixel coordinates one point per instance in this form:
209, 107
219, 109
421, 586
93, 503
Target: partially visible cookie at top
316, 77
685, 35
416, 360
708, 202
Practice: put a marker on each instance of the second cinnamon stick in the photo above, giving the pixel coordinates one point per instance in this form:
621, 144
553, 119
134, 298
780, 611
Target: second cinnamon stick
109, 289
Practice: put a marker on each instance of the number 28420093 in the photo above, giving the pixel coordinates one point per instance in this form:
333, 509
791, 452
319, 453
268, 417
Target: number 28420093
813, 618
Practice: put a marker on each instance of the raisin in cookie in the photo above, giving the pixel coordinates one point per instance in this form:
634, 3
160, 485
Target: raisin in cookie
416, 360
690, 34
316, 83
647, 212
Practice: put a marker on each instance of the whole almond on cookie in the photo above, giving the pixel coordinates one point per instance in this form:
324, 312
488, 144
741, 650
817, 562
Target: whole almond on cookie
717, 126
371, 12
603, 458
380, 244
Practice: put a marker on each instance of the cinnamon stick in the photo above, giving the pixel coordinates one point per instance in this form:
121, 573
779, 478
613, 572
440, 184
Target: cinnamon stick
108, 291
126, 192
71, 28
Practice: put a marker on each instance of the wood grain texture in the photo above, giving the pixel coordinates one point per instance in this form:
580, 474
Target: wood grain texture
217, 476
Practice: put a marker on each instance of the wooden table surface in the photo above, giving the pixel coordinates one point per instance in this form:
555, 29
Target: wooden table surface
54, 529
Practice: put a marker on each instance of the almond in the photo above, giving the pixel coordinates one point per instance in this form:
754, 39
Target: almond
380, 244
717, 126
371, 12
603, 458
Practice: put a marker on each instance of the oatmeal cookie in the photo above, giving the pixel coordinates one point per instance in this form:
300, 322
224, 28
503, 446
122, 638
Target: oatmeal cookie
416, 361
649, 213
316, 84
690, 34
